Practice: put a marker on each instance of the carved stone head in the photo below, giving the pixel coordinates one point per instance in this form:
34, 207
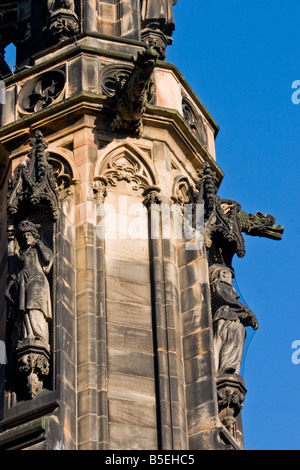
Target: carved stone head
27, 233
220, 272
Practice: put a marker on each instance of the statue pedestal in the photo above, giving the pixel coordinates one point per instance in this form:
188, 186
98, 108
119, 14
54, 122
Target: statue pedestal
64, 24
157, 40
33, 356
231, 395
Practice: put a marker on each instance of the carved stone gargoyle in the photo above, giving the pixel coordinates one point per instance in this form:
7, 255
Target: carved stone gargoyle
32, 197
133, 93
225, 221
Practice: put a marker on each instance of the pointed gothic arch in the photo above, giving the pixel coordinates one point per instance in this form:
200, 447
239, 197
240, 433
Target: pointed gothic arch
65, 171
182, 191
128, 163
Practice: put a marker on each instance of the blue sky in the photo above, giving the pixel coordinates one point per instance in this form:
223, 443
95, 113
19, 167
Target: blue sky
241, 59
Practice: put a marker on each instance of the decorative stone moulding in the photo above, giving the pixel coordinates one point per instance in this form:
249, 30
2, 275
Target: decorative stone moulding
42, 91
127, 168
182, 191
33, 356
156, 39
33, 183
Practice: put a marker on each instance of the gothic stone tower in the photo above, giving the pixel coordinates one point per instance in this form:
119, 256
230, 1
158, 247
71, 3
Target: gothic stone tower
121, 331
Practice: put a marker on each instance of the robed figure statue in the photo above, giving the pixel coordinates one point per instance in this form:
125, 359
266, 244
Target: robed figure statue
159, 14
230, 317
29, 288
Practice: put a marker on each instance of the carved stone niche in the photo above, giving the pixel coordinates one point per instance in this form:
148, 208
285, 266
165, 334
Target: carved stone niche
33, 209
231, 395
42, 91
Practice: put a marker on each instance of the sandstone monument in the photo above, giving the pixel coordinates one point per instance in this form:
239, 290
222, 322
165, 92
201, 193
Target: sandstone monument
122, 326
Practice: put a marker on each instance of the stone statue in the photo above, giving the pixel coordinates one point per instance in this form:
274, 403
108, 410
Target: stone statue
160, 13
64, 4
230, 317
32, 191
31, 286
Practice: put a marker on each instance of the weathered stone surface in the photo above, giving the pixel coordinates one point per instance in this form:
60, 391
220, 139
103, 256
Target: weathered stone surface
132, 334
132, 437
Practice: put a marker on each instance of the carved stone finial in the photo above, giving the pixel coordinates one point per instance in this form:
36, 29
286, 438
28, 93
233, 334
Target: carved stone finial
133, 93
34, 183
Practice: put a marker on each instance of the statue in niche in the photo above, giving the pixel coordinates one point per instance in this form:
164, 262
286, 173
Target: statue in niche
159, 14
230, 317
32, 193
30, 285
64, 4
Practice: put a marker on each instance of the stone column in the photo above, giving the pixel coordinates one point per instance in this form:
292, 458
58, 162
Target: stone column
99, 187
166, 326
152, 201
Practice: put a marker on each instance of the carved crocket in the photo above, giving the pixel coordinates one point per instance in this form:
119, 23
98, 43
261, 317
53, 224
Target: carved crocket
133, 93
